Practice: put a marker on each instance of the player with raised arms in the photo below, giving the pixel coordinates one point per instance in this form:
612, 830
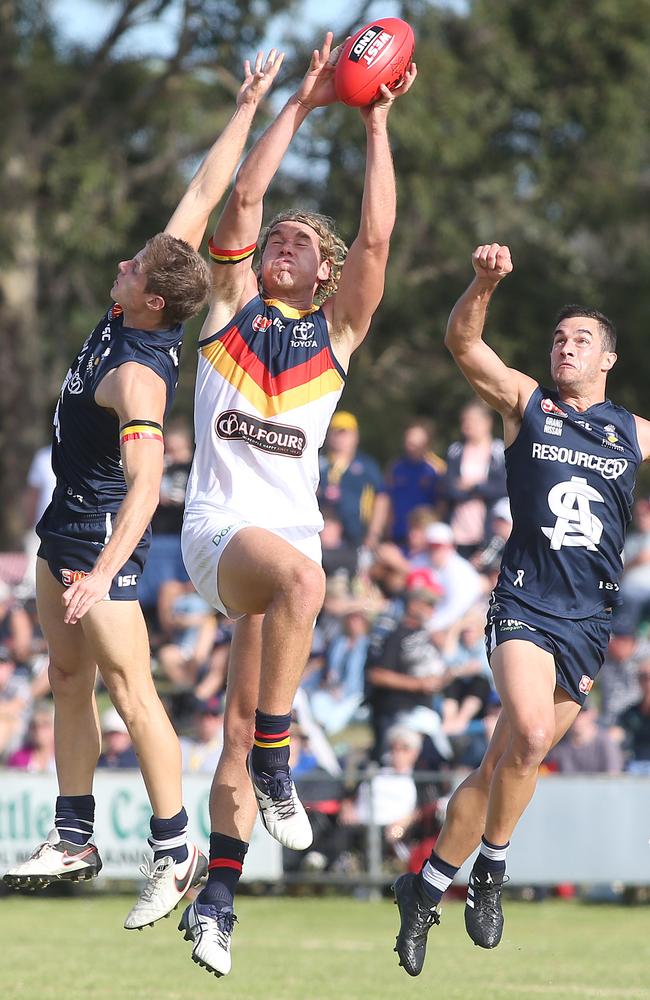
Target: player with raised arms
571, 462
273, 356
108, 461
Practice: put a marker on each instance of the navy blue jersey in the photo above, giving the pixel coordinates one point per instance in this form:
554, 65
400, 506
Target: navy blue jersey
570, 481
86, 447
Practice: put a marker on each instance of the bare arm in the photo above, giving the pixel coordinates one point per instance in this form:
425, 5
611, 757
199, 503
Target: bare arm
506, 389
361, 285
209, 183
239, 225
134, 393
643, 434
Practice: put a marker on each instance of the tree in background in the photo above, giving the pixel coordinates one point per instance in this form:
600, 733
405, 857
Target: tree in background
93, 141
529, 125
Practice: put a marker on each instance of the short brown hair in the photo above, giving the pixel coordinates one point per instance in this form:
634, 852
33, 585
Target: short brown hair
330, 245
607, 328
179, 274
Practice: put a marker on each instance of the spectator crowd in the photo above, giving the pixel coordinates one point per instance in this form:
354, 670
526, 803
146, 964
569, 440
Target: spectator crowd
397, 680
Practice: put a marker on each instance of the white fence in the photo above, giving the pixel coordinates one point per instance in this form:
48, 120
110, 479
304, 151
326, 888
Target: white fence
577, 829
121, 821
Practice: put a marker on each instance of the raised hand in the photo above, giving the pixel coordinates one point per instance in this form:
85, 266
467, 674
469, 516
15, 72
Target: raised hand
258, 80
382, 105
492, 262
317, 88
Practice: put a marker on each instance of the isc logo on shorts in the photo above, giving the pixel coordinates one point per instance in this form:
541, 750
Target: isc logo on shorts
70, 576
128, 580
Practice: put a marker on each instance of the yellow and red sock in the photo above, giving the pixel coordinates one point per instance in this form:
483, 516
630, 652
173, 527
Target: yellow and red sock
271, 744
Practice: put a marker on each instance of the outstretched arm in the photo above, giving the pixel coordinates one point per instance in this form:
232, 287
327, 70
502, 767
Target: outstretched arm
506, 389
361, 285
240, 222
209, 184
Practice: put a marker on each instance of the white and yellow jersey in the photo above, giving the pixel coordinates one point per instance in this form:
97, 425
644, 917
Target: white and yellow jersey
266, 388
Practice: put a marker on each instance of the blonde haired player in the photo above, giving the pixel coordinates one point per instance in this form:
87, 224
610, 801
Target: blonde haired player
108, 461
271, 369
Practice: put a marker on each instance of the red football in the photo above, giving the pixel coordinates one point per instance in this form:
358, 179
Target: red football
379, 53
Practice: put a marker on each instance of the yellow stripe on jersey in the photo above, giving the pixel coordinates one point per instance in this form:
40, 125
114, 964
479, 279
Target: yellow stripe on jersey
288, 311
269, 406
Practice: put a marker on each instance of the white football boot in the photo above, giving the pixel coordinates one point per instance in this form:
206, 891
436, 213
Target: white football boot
282, 812
167, 882
210, 929
55, 860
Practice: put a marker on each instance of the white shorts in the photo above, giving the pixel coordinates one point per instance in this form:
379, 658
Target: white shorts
205, 536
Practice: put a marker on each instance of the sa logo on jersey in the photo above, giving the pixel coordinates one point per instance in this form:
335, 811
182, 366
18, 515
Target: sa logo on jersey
70, 576
261, 323
585, 685
548, 406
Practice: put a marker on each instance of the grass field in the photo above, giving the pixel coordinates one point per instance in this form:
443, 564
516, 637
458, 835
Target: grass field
321, 949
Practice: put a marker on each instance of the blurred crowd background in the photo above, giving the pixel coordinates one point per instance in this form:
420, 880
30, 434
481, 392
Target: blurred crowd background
397, 681
528, 125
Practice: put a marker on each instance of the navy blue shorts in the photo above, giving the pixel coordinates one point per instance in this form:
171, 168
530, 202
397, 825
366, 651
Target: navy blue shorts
577, 645
71, 543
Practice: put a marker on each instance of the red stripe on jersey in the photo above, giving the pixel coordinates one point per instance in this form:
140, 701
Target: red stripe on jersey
273, 385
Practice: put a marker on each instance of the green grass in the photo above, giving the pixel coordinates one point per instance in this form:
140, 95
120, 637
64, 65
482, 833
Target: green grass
321, 949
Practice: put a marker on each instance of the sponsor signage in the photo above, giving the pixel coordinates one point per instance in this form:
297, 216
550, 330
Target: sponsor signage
121, 822
278, 439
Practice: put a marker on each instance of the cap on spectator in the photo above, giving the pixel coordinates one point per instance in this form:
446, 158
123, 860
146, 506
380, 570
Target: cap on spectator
343, 420
439, 533
212, 706
112, 722
501, 510
424, 584
5, 655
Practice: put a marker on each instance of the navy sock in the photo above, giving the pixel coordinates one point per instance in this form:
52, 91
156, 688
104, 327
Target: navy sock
436, 876
271, 747
74, 818
169, 837
491, 860
224, 870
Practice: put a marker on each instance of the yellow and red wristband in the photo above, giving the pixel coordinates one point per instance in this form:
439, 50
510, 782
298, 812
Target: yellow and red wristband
141, 430
221, 256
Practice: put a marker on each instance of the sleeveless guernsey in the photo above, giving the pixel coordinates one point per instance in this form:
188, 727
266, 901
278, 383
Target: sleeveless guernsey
86, 443
266, 388
570, 481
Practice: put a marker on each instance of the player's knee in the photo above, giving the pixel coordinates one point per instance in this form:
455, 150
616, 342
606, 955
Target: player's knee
134, 697
304, 586
531, 743
66, 681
